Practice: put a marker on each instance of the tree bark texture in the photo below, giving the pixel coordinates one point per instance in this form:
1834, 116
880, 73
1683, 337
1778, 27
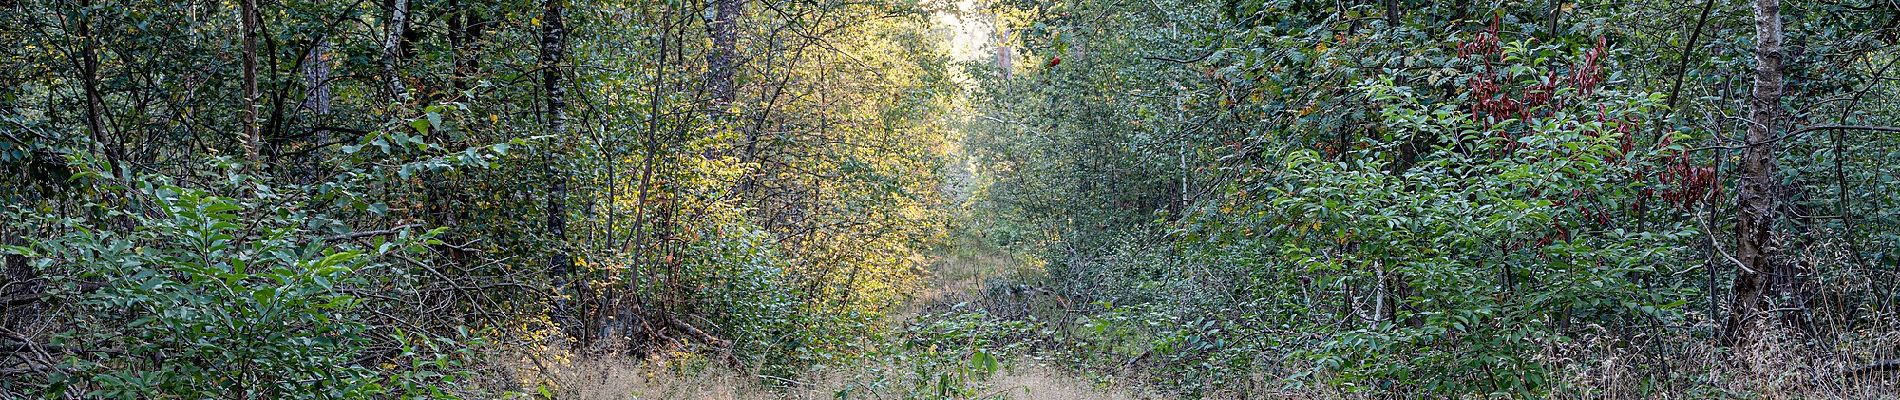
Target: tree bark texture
553, 55
723, 59
392, 49
251, 138
1755, 219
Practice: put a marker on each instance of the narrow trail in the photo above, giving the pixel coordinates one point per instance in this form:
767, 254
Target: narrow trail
962, 273
959, 274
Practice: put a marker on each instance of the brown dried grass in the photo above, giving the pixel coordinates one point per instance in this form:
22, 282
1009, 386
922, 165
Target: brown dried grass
611, 377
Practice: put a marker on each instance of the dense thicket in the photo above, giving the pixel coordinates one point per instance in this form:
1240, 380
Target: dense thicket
1396, 196
1230, 199
355, 198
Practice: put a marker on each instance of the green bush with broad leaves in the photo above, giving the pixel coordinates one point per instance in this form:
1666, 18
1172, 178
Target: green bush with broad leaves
209, 296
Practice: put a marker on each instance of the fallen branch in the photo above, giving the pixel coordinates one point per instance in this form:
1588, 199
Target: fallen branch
1130, 365
724, 348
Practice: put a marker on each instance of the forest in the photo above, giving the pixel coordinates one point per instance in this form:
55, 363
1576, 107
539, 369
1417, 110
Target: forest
949, 199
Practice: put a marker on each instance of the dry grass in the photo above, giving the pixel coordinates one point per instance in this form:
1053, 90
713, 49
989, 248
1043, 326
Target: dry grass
1664, 364
553, 373
612, 378
1779, 366
1045, 383
621, 378
959, 272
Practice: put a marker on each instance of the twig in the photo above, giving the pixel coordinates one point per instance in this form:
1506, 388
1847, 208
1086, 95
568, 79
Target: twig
787, 381
1803, 131
1718, 248
364, 234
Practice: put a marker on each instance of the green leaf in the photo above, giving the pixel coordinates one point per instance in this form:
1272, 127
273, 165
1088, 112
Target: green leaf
335, 259
264, 295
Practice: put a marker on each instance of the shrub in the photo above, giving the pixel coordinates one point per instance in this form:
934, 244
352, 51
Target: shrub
209, 296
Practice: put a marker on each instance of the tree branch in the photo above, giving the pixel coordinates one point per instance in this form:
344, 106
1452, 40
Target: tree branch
364, 234
1804, 131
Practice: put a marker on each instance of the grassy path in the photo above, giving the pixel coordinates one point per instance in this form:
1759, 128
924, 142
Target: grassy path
960, 273
961, 276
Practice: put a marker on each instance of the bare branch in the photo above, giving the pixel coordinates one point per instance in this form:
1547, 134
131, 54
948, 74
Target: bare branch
1804, 131
364, 234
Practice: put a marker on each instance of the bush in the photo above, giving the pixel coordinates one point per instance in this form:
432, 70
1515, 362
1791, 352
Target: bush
205, 296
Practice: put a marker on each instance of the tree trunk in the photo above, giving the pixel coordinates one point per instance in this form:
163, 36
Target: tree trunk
251, 138
553, 54
1556, 17
1754, 225
465, 42
723, 59
1005, 54
1391, 14
316, 101
316, 79
95, 101
392, 49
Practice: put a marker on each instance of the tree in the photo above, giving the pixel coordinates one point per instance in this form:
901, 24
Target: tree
553, 58
1754, 222
723, 60
394, 32
251, 139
